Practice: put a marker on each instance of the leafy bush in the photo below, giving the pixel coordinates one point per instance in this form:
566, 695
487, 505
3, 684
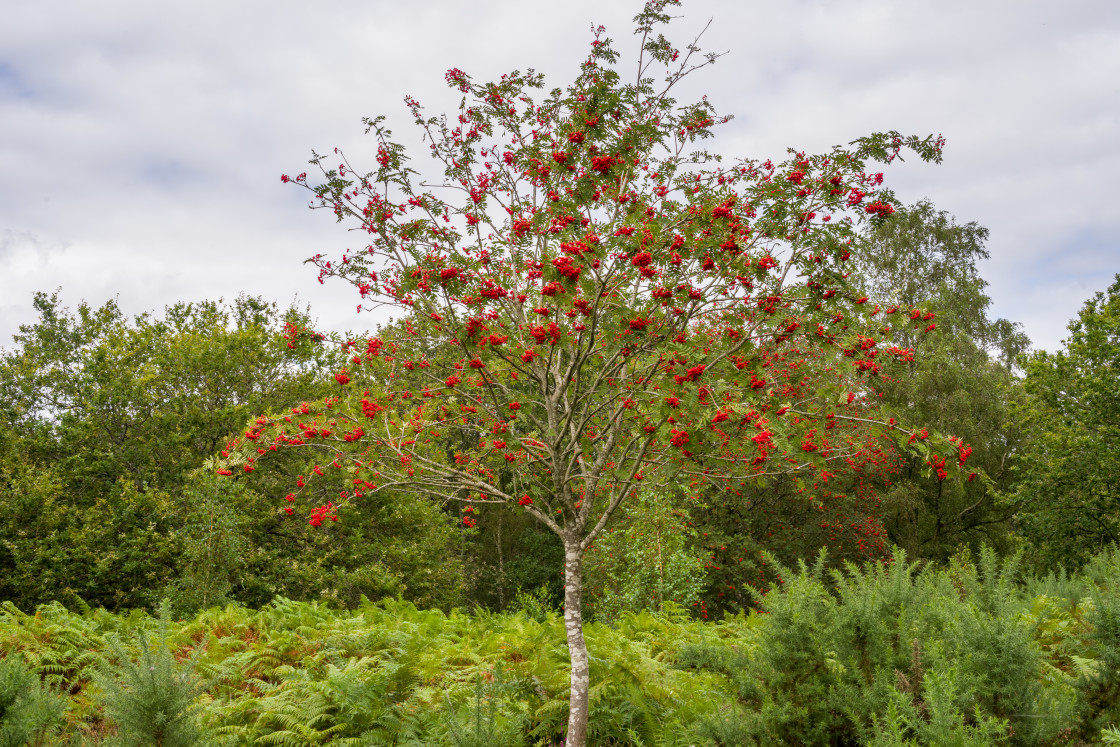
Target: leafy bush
644, 560
1099, 680
151, 701
892, 654
29, 712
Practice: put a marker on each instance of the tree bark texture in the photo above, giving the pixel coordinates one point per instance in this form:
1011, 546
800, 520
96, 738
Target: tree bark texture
577, 648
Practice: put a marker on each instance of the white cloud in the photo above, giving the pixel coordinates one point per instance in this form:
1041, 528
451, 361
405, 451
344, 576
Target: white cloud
146, 139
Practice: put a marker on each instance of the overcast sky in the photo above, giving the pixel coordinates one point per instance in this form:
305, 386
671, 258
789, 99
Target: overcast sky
141, 143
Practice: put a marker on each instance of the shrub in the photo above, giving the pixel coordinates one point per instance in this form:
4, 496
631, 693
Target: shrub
29, 712
891, 654
151, 701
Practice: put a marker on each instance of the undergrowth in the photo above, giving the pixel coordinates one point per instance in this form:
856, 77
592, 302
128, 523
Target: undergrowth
887, 655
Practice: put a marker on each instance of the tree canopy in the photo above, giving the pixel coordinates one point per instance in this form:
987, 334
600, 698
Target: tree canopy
108, 423
1069, 491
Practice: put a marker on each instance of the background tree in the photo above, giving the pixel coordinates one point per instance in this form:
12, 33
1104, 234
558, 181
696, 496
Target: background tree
110, 415
509, 553
1068, 495
107, 423
647, 557
603, 290
962, 380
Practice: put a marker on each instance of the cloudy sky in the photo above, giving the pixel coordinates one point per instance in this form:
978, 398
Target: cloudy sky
141, 143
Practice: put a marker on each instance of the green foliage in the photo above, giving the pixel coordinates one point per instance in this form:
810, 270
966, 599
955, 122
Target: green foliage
213, 543
64, 648
537, 604
1098, 676
389, 544
151, 701
106, 487
387, 673
962, 380
644, 561
1069, 490
894, 653
110, 416
29, 712
936, 717
508, 552
492, 719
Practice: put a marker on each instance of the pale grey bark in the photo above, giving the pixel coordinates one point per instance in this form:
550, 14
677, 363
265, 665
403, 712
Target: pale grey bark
577, 649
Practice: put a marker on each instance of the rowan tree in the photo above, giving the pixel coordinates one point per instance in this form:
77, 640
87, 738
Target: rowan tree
586, 299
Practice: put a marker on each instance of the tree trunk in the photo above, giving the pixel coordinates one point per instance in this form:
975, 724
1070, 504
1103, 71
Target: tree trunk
577, 648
